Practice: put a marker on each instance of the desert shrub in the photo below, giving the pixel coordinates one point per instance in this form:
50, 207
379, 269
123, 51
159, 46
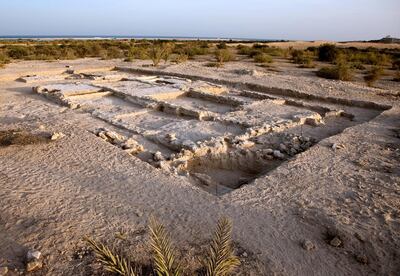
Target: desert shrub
340, 71
44, 52
67, 53
274, 51
113, 52
138, 52
263, 58
371, 57
159, 51
397, 76
313, 49
222, 45
396, 64
224, 55
244, 50
303, 58
3, 58
192, 49
327, 52
373, 75
357, 65
219, 260
18, 52
341, 58
180, 58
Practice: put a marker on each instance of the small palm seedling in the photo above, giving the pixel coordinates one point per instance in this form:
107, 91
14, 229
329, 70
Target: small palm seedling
111, 261
221, 260
163, 252
159, 51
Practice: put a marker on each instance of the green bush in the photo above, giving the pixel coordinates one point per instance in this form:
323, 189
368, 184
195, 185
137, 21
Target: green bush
397, 76
396, 64
373, 75
327, 52
191, 49
138, 52
18, 52
3, 58
357, 65
303, 58
340, 71
159, 51
244, 50
263, 58
181, 58
274, 51
371, 57
224, 55
113, 52
222, 45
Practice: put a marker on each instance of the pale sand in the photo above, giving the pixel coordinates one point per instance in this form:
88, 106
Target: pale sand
54, 194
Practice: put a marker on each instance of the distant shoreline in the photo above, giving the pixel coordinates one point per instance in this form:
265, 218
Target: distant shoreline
100, 37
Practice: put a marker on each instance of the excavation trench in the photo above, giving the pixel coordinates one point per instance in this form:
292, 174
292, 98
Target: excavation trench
219, 137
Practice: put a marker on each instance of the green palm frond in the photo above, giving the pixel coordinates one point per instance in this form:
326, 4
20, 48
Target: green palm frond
111, 261
221, 260
164, 256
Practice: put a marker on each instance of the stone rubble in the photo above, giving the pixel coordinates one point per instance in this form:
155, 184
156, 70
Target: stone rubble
233, 139
128, 144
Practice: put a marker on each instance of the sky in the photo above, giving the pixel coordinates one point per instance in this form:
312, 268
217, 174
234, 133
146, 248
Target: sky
264, 19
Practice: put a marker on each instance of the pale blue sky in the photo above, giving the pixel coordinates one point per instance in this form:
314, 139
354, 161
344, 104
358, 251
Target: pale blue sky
278, 19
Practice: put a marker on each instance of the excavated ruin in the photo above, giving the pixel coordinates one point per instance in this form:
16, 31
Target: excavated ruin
219, 135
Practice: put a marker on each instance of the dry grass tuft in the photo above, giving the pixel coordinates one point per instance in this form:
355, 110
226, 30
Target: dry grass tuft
224, 55
111, 261
164, 256
221, 259
373, 75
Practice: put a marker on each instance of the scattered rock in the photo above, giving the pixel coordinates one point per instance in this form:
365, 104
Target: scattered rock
3, 270
247, 144
170, 136
114, 137
308, 245
56, 136
157, 156
268, 151
387, 217
278, 154
33, 255
33, 265
283, 147
362, 259
359, 237
346, 220
335, 242
132, 146
336, 146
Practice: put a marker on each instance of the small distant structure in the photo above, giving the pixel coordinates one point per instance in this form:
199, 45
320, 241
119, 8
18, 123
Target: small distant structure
387, 39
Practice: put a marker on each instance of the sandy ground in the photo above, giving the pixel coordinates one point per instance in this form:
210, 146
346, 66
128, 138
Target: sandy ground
53, 194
